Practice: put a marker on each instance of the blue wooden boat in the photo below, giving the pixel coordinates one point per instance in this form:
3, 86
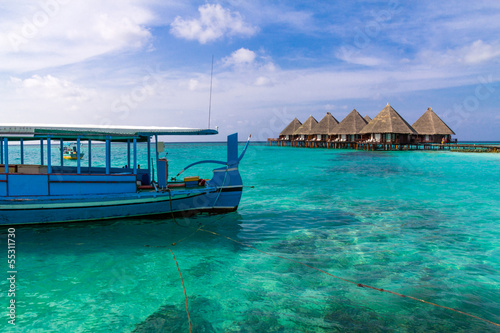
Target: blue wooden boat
51, 192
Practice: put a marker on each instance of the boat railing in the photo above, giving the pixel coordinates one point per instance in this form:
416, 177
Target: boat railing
37, 169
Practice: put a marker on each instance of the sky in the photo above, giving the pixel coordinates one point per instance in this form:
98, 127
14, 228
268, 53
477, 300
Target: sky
149, 63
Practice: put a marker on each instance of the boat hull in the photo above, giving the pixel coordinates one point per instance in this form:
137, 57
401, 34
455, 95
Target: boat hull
72, 157
90, 208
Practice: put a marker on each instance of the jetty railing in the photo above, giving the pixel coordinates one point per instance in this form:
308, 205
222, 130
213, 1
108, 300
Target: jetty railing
385, 146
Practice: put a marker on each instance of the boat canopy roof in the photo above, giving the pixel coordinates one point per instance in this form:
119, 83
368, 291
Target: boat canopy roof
94, 132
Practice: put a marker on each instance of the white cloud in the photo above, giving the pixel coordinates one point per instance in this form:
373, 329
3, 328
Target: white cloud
55, 32
361, 60
214, 23
193, 84
265, 13
479, 52
241, 56
263, 81
123, 32
50, 87
333, 107
51, 99
476, 53
248, 67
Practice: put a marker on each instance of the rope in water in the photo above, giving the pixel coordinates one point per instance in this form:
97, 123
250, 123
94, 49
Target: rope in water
353, 282
175, 243
171, 209
183, 288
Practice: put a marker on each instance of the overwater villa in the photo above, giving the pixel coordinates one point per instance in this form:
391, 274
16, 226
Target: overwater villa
305, 132
323, 129
287, 133
389, 127
348, 130
432, 129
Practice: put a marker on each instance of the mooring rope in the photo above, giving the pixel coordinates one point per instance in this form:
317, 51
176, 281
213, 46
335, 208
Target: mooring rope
183, 288
175, 243
353, 282
221, 187
171, 209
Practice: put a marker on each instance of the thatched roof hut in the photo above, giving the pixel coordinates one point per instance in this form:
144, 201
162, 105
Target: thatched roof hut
367, 118
388, 121
292, 127
326, 125
307, 127
430, 124
353, 123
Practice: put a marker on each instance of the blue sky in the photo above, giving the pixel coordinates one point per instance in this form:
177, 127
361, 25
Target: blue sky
148, 62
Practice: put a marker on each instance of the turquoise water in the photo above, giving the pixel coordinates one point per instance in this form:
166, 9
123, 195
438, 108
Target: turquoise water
423, 224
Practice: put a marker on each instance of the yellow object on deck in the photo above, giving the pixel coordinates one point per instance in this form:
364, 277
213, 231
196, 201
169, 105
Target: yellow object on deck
191, 179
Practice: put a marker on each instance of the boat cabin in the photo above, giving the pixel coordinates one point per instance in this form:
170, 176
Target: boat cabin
54, 176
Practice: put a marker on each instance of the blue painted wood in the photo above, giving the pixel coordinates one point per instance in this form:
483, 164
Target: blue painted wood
149, 152
128, 153
108, 151
161, 167
61, 151
3, 185
32, 185
97, 170
232, 149
135, 156
157, 159
49, 156
92, 178
6, 144
156, 147
90, 153
22, 150
95, 184
41, 151
78, 157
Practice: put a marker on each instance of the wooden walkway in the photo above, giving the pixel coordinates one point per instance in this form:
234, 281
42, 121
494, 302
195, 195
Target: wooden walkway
456, 147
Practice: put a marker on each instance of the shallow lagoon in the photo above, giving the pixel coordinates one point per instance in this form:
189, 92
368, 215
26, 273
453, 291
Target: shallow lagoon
423, 224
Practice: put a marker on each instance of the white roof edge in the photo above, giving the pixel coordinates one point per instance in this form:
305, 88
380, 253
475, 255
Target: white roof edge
9, 129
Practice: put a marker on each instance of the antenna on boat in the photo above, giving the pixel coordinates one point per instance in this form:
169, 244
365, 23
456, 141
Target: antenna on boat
210, 101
